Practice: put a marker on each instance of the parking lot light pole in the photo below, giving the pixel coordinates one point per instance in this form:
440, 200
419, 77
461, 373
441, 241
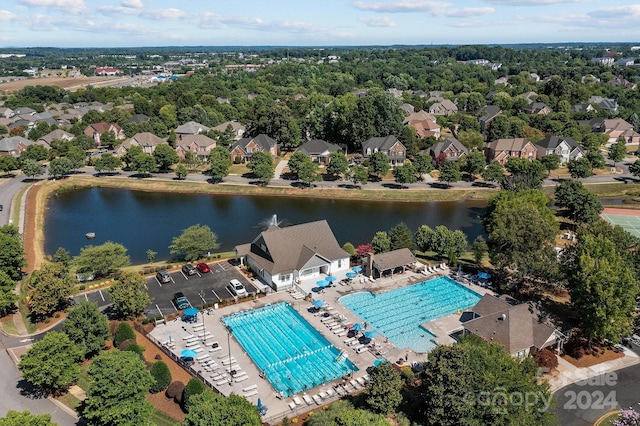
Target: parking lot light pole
229, 346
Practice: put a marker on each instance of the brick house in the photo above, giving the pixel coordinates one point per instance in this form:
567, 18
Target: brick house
390, 146
245, 147
500, 150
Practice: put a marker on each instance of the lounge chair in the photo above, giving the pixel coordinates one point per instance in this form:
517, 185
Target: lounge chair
356, 348
362, 349
323, 395
330, 393
361, 380
342, 333
297, 400
250, 388
317, 399
307, 399
252, 393
292, 405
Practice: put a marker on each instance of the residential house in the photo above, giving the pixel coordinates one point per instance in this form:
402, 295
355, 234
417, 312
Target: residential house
138, 118
608, 61
620, 80
537, 108
318, 150
426, 128
419, 116
486, 115
626, 62
408, 108
582, 107
237, 128
6, 112
563, 146
24, 111
390, 146
444, 107
57, 134
14, 145
530, 96
282, 257
145, 140
516, 328
199, 145
396, 93
245, 147
191, 128
500, 150
605, 104
501, 81
615, 128
449, 149
96, 130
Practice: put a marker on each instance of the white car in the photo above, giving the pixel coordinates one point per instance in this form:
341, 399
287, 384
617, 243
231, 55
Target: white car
236, 288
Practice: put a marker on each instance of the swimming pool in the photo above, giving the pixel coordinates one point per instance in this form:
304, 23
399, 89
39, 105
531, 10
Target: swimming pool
398, 314
293, 355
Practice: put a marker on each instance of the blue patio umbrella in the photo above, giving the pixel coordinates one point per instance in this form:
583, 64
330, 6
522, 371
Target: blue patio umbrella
191, 311
319, 303
188, 353
330, 278
351, 274
322, 283
370, 334
358, 326
378, 361
483, 275
262, 409
356, 269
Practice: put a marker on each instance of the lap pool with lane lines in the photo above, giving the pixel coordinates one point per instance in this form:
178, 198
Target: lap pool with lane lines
398, 314
293, 355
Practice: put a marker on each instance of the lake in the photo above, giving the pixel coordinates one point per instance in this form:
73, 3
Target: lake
145, 220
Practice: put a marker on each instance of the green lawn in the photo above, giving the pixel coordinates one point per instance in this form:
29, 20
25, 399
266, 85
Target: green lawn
70, 401
83, 378
162, 419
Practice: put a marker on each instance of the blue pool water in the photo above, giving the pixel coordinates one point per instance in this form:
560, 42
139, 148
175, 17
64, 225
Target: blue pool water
293, 355
398, 314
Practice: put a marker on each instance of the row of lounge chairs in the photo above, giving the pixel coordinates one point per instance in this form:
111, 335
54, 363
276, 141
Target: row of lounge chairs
330, 394
431, 270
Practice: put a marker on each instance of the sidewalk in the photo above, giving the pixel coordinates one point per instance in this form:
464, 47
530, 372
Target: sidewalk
568, 373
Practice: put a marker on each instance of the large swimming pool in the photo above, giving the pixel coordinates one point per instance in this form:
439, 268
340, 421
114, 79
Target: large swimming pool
398, 314
293, 355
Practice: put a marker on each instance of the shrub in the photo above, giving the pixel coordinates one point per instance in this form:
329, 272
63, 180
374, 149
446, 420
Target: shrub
82, 287
545, 358
160, 372
174, 389
123, 345
158, 357
123, 332
134, 347
194, 387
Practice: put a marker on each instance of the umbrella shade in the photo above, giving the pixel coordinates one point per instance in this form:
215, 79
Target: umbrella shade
358, 326
188, 353
378, 361
483, 275
351, 274
356, 269
330, 278
322, 283
259, 404
370, 334
191, 311
319, 303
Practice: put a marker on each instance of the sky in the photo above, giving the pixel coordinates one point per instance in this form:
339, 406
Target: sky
141, 23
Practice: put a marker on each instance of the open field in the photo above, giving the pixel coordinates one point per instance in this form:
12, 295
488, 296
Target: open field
69, 83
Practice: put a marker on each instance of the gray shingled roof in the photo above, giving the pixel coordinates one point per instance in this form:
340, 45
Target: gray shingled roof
317, 146
442, 145
393, 259
264, 141
552, 142
382, 143
10, 144
191, 128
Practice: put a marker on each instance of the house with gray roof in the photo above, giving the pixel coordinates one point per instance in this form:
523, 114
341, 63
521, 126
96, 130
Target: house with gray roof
199, 145
6, 112
57, 134
388, 263
318, 150
282, 257
450, 149
390, 146
191, 128
514, 327
601, 103
486, 115
237, 128
14, 145
444, 107
145, 140
138, 118
245, 147
564, 147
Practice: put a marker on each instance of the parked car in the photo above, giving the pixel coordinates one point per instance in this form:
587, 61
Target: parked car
180, 301
236, 288
189, 269
204, 268
163, 277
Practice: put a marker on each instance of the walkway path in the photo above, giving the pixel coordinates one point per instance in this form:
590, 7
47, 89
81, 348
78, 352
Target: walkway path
279, 168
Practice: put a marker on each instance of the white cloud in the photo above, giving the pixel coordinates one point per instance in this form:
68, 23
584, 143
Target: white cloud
118, 10
624, 12
403, 6
466, 12
134, 4
169, 14
74, 7
382, 21
5, 15
531, 2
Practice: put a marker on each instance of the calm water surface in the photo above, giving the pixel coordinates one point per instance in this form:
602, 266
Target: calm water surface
143, 220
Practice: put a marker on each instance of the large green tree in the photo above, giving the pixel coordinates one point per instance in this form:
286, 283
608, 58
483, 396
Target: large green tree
87, 327
475, 163
58, 167
8, 298
358, 175
441, 240
295, 162
102, 260
118, 385
129, 295
550, 162
580, 168
25, 418
31, 168
52, 364
165, 156
378, 164
51, 286
618, 151
207, 408
582, 205
381, 242
405, 174
338, 165
400, 237
8, 163
383, 389
220, 161
107, 163
262, 166
194, 242
493, 172
449, 172
11, 251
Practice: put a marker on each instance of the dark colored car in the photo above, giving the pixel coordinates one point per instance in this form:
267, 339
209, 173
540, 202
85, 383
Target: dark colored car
204, 268
189, 269
163, 277
180, 301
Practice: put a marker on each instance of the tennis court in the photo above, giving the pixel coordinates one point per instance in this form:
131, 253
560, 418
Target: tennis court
626, 218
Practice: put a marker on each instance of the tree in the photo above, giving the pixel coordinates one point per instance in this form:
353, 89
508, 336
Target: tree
582, 206
207, 408
634, 168
618, 151
449, 172
579, 168
493, 172
181, 172
405, 174
51, 287
381, 242
603, 288
31, 168
129, 295
130, 156
400, 237
423, 163
479, 249
349, 248
161, 375
25, 418
58, 167
193, 388
343, 413
34, 152
7, 296
550, 162
108, 139
525, 174
11, 252
87, 327
296, 161
308, 172
475, 163
77, 157
144, 164
194, 242
107, 163
359, 175
383, 389
378, 164
119, 383
8, 163
123, 333
165, 156
220, 161
101, 260
338, 164
62, 256
262, 166
52, 364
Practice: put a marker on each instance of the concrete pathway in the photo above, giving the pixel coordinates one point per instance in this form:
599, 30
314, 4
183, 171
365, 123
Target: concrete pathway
279, 168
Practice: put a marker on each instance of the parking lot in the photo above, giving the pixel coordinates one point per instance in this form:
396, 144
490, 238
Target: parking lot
199, 289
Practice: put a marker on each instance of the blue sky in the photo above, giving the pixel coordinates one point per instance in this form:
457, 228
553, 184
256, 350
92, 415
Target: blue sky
130, 23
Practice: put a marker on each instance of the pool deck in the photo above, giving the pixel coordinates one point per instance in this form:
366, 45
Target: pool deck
247, 381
